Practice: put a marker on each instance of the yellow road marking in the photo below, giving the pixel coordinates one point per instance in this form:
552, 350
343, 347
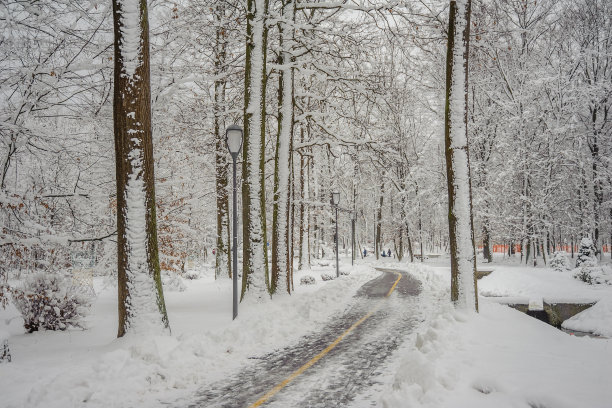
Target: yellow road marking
399, 276
322, 354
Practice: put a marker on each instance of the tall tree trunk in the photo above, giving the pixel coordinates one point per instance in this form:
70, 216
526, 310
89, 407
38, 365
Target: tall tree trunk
255, 276
281, 207
141, 299
461, 228
486, 244
379, 220
222, 265
597, 184
304, 258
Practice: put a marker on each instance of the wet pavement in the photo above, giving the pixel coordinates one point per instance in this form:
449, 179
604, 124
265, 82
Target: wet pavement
346, 369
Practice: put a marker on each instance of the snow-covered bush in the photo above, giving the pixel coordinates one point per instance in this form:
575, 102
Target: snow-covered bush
307, 280
327, 276
48, 302
559, 262
587, 268
586, 253
173, 282
594, 275
345, 272
192, 274
5, 353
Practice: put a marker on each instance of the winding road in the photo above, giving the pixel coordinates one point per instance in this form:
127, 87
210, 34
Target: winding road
330, 367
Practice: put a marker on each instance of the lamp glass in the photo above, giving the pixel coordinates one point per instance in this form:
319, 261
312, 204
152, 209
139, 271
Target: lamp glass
335, 198
234, 139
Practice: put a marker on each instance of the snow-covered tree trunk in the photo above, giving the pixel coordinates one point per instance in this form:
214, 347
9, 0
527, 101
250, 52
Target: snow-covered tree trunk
222, 265
461, 229
141, 301
282, 172
304, 252
255, 277
378, 237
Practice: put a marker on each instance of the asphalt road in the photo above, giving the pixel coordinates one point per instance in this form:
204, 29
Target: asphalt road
330, 367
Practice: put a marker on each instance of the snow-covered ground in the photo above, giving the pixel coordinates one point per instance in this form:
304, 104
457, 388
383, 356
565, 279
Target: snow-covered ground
497, 358
92, 368
501, 357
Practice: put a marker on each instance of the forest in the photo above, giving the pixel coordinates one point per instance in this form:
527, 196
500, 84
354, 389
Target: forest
343, 96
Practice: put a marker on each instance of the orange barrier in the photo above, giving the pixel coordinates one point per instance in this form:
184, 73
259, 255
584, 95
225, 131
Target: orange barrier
503, 249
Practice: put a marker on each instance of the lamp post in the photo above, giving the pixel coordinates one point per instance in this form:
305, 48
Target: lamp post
233, 140
353, 219
335, 202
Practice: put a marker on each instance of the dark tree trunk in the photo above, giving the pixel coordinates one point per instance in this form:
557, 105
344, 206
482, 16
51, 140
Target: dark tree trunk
486, 245
138, 259
460, 221
222, 264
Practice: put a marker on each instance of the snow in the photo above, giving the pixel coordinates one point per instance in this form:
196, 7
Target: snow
130, 47
67, 369
498, 357
597, 319
141, 305
501, 357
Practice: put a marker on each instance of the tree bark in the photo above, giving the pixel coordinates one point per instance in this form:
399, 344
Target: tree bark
486, 245
282, 171
222, 264
255, 276
379, 219
461, 229
140, 295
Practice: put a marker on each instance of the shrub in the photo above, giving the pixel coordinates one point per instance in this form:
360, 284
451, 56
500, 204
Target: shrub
48, 302
586, 253
584, 274
559, 262
5, 352
327, 276
192, 274
345, 272
307, 280
173, 282
594, 275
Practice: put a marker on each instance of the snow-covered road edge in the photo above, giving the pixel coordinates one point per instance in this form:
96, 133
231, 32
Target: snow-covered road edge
146, 371
498, 357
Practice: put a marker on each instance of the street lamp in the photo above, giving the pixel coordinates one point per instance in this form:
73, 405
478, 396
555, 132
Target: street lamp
335, 202
233, 140
353, 220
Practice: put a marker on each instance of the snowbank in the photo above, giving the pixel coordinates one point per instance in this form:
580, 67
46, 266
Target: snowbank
520, 284
74, 368
499, 358
597, 319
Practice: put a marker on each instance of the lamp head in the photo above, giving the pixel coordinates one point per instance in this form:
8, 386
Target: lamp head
335, 198
233, 139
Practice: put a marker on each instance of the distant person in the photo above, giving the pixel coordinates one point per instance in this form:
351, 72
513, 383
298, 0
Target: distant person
365, 252
384, 254
389, 253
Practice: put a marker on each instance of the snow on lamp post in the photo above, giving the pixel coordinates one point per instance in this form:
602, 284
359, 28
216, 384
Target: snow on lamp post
353, 220
233, 140
335, 202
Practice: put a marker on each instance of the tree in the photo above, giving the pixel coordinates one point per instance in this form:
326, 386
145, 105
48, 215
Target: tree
460, 222
222, 263
141, 300
281, 238
255, 256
